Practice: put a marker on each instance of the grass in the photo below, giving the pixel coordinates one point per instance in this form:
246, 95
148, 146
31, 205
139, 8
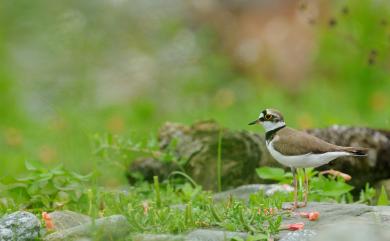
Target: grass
174, 206
219, 161
151, 208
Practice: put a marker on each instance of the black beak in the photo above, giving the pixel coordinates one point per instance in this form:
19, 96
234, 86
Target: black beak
254, 122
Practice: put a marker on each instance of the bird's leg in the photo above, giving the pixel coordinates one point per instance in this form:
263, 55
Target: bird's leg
306, 187
294, 172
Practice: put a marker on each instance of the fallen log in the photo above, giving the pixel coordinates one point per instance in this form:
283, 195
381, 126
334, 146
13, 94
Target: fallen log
244, 151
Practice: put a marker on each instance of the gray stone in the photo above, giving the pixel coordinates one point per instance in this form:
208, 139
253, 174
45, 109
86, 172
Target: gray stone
383, 214
337, 220
333, 223
157, 237
244, 191
195, 235
351, 231
301, 235
331, 213
19, 226
113, 227
67, 219
197, 146
213, 235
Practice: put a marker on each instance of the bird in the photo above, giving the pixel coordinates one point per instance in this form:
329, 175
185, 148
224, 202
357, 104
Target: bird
297, 149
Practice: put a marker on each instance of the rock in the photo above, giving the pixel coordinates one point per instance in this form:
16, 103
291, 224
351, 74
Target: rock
333, 213
243, 152
337, 220
351, 231
149, 167
157, 237
111, 228
195, 235
213, 235
19, 226
301, 235
371, 169
383, 212
66, 219
244, 191
197, 145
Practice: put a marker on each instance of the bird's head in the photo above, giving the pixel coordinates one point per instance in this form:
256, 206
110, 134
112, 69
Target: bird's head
270, 119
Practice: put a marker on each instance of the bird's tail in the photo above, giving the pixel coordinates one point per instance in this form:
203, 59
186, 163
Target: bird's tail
356, 151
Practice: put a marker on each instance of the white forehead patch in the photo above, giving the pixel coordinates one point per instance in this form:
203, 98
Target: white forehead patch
261, 115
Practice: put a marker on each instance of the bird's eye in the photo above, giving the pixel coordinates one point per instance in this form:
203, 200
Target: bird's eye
268, 116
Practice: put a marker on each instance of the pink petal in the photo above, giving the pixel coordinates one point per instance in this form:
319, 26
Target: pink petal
295, 226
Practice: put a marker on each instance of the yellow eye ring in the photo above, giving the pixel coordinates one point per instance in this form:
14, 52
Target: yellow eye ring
267, 116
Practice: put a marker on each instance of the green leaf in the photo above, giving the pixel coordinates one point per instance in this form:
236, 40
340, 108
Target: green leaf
45, 200
45, 176
59, 181
27, 178
70, 186
58, 170
49, 189
109, 139
33, 189
231, 227
271, 173
13, 186
383, 199
62, 197
82, 177
237, 239
330, 188
257, 237
29, 166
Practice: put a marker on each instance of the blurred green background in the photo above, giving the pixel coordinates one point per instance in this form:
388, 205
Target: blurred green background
70, 69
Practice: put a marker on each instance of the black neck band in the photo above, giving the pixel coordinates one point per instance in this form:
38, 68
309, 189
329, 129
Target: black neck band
269, 135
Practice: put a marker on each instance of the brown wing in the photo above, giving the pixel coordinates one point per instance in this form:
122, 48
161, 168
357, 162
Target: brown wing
293, 142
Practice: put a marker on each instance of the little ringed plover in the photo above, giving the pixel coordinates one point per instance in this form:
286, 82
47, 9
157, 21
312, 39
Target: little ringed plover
298, 149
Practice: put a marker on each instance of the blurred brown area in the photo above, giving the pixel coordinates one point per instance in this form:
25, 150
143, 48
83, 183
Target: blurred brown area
270, 38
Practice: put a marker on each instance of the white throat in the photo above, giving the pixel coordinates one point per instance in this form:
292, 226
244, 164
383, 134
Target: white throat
269, 125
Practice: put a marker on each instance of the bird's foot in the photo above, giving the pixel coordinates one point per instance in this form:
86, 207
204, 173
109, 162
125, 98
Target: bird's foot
293, 206
302, 205
289, 206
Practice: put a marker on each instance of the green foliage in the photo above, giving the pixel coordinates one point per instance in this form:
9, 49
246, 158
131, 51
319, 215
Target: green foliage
157, 191
256, 237
157, 207
45, 188
321, 188
199, 211
383, 199
121, 150
219, 161
117, 152
330, 187
367, 195
273, 173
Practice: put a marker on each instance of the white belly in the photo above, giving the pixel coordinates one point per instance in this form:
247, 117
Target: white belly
306, 160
